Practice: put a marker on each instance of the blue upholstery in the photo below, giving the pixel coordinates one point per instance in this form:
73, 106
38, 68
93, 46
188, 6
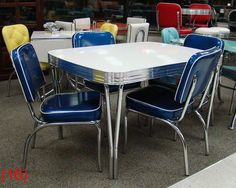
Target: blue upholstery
169, 35
203, 42
155, 101
77, 107
85, 39
25, 61
168, 104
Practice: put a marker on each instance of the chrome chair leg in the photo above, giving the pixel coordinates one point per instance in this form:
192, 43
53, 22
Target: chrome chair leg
60, 132
125, 132
233, 122
232, 101
151, 126
176, 129
99, 146
34, 137
205, 129
175, 134
9, 83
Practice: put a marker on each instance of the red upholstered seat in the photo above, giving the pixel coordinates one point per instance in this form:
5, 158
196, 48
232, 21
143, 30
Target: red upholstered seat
200, 20
170, 15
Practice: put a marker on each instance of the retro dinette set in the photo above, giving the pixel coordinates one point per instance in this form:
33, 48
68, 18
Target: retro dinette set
94, 59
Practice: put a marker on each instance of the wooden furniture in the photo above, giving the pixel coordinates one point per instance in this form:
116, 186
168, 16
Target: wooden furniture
29, 13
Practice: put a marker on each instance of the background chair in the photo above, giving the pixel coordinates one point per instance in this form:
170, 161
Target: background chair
228, 70
65, 26
170, 15
14, 36
138, 32
169, 35
82, 24
135, 20
232, 20
56, 110
112, 28
170, 106
200, 20
85, 39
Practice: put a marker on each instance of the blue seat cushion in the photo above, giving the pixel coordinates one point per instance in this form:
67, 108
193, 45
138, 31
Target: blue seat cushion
112, 88
229, 72
155, 101
72, 107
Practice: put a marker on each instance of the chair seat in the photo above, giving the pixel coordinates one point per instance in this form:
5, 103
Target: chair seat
72, 107
112, 88
155, 101
229, 72
185, 31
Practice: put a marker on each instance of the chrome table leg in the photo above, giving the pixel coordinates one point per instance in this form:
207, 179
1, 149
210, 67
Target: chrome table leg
117, 130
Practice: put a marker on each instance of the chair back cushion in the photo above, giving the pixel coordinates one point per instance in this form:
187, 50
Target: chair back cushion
169, 34
15, 35
138, 32
167, 15
203, 42
199, 66
112, 28
83, 39
26, 65
200, 19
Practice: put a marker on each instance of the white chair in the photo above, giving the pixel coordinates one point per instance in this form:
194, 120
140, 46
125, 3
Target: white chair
134, 20
66, 26
137, 32
82, 24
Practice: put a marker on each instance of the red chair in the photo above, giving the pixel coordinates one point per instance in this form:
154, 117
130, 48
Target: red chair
170, 15
200, 20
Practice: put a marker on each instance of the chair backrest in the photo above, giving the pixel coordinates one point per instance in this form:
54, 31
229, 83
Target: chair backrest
169, 15
200, 67
168, 35
138, 32
134, 20
83, 39
82, 24
200, 19
112, 28
15, 35
29, 73
203, 42
65, 26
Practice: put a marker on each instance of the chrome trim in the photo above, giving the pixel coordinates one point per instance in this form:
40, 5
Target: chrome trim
188, 11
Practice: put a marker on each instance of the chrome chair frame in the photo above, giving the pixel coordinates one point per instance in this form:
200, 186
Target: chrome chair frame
174, 124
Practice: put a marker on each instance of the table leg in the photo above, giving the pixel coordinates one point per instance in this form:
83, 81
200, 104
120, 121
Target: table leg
117, 130
109, 130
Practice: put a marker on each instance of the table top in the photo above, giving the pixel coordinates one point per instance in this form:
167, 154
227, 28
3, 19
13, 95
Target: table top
123, 63
188, 11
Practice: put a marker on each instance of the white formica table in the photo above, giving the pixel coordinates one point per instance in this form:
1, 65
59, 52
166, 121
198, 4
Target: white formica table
44, 41
121, 64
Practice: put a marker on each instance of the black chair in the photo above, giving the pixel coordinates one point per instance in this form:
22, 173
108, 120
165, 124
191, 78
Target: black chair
56, 110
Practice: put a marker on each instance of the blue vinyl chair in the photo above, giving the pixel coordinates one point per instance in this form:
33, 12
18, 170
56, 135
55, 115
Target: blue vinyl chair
56, 110
170, 106
85, 39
